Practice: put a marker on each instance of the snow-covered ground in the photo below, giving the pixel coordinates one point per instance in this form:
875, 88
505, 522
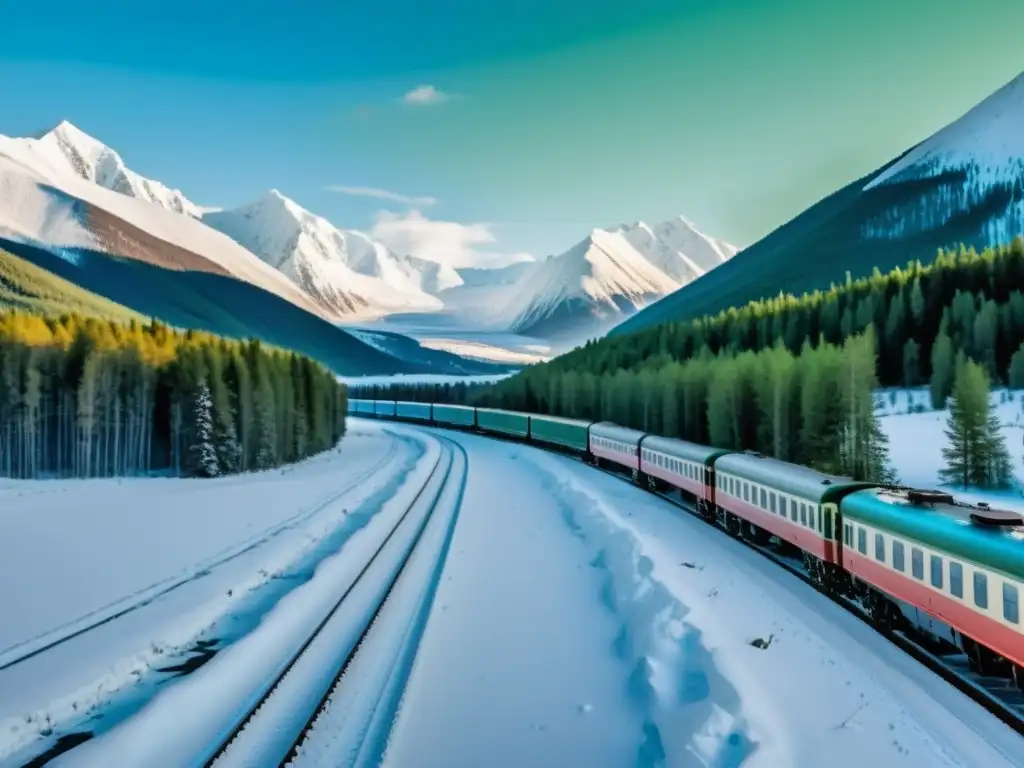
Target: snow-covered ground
422, 378
577, 621
581, 621
917, 435
112, 581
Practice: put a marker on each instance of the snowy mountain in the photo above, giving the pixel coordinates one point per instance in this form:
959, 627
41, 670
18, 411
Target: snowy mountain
962, 185
678, 248
345, 272
68, 148
607, 277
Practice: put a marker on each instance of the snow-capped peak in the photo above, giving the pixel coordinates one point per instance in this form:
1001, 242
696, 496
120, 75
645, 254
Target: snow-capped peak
609, 275
67, 147
988, 142
346, 272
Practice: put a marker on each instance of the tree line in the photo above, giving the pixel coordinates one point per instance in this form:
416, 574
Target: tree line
922, 317
84, 397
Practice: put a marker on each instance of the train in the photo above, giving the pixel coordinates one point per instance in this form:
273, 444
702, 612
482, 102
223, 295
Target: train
912, 558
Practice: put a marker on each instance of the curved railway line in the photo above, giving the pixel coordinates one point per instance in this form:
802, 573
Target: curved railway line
997, 695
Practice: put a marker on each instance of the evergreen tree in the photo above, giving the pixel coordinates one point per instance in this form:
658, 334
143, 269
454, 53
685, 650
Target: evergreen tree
203, 450
864, 453
943, 370
976, 454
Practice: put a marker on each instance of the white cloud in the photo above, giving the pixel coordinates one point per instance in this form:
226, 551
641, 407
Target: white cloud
424, 95
444, 242
382, 194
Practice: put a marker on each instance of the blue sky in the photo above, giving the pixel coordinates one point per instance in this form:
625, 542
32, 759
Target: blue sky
562, 116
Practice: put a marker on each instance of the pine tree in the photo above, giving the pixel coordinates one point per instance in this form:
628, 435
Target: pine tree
976, 454
943, 370
203, 451
864, 453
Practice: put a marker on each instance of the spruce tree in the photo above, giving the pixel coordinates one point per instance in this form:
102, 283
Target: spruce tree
943, 370
976, 454
202, 450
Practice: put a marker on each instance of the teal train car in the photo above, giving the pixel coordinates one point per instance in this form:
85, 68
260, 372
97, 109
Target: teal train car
954, 570
565, 433
454, 415
360, 407
384, 408
503, 422
413, 411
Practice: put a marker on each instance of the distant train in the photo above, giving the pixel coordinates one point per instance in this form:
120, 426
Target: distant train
953, 571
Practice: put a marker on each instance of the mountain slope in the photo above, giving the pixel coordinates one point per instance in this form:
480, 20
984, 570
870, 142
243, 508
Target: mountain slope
347, 274
586, 289
607, 277
79, 154
26, 287
965, 184
164, 264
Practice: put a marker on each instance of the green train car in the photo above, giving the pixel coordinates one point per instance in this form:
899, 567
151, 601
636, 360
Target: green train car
503, 422
413, 411
566, 433
455, 415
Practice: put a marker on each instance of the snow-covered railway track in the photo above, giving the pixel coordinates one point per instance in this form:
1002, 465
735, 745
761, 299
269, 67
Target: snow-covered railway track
87, 622
258, 703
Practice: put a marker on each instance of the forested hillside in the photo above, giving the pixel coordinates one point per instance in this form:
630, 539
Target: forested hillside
25, 286
922, 317
84, 397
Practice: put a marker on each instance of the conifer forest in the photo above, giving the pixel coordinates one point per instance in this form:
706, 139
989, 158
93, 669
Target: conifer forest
84, 397
796, 377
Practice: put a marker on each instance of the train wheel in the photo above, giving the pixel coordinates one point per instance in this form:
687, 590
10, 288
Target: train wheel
881, 615
732, 524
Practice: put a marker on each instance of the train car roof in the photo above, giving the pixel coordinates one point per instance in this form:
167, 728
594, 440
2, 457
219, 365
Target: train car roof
798, 480
561, 420
411, 402
974, 533
682, 449
615, 432
450, 405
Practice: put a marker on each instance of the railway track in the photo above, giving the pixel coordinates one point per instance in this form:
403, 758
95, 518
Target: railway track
997, 696
27, 649
258, 708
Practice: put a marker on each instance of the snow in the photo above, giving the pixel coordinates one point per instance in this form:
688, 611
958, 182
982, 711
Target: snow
37, 161
478, 350
515, 666
165, 562
74, 151
678, 248
827, 689
346, 272
422, 378
608, 276
29, 211
917, 435
989, 139
186, 720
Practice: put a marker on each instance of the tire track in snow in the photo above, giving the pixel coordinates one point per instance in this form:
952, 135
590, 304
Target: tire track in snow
692, 713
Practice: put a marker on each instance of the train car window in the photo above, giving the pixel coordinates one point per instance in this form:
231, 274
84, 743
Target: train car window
956, 578
764, 499
862, 541
746, 491
897, 555
783, 505
794, 511
917, 563
980, 590
803, 514
810, 516
879, 547
936, 563
771, 501
1011, 608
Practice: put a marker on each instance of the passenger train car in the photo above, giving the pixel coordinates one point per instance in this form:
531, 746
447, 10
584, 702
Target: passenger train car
954, 572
